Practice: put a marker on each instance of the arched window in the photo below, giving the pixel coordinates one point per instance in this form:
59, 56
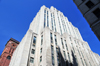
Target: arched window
8, 57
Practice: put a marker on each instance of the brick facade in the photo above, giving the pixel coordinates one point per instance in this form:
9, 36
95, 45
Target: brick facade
8, 52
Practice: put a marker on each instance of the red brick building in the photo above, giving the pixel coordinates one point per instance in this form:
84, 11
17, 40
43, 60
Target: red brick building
7, 53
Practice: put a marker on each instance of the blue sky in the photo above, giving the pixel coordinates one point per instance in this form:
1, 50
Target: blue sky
16, 16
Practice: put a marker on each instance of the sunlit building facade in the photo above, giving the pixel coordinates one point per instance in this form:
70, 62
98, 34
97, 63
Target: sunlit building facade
52, 40
90, 10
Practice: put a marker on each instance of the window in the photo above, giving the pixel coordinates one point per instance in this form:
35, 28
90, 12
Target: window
70, 39
89, 4
31, 59
58, 57
97, 12
57, 51
33, 51
69, 57
60, 25
51, 37
52, 50
55, 40
52, 54
41, 50
64, 54
62, 43
34, 41
66, 45
40, 58
73, 47
8, 57
53, 60
41, 39
47, 20
55, 25
52, 21
44, 20
45, 11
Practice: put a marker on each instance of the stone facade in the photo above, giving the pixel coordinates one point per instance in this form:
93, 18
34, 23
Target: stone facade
8, 52
52, 40
90, 10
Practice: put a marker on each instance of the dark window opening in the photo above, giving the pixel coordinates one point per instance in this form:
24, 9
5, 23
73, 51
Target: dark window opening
8, 57
41, 39
97, 12
89, 4
83, 0
31, 59
51, 37
41, 50
40, 58
34, 41
33, 51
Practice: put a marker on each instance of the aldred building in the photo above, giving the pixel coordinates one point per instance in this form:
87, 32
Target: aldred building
7, 53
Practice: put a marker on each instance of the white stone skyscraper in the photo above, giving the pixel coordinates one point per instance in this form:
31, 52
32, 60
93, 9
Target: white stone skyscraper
52, 40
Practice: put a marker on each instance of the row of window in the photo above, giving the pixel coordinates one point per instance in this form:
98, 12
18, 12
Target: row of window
64, 24
59, 24
53, 23
52, 55
33, 50
41, 45
90, 4
58, 51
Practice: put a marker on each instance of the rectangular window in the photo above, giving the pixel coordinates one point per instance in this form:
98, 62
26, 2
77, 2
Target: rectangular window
63, 25
73, 47
60, 25
70, 39
89, 4
97, 12
41, 50
55, 25
55, 40
78, 52
41, 39
58, 57
62, 43
34, 41
57, 51
82, 61
52, 54
53, 62
45, 11
44, 20
69, 57
31, 59
64, 54
66, 45
52, 50
47, 19
40, 58
51, 38
52, 22
33, 51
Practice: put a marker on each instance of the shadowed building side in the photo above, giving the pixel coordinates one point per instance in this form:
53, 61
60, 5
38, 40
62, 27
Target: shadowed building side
90, 10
